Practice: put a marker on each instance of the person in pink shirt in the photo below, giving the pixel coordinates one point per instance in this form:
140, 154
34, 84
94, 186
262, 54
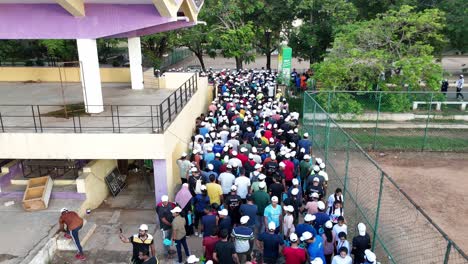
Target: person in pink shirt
288, 170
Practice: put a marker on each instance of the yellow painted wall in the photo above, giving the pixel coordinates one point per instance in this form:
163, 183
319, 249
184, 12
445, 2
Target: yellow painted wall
51, 74
177, 136
95, 185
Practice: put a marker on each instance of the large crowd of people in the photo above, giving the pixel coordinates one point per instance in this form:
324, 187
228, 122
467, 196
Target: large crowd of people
252, 189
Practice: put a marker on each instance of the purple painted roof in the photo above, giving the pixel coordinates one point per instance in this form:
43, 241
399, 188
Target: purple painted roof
50, 21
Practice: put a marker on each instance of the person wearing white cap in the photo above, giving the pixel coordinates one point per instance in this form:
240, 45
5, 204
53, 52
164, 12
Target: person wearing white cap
294, 254
360, 243
329, 241
314, 245
234, 141
233, 202
307, 226
317, 261
243, 238
179, 233
261, 199
305, 143
370, 257
255, 174
305, 168
200, 202
271, 243
140, 241
163, 210
243, 184
255, 185
321, 216
273, 213
184, 166
314, 186
234, 160
226, 179
459, 85
288, 221
295, 185
73, 223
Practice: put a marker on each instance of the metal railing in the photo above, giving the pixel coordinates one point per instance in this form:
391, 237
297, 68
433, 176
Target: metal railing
400, 120
114, 118
401, 230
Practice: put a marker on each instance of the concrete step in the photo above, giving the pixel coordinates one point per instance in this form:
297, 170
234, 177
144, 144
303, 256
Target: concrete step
85, 233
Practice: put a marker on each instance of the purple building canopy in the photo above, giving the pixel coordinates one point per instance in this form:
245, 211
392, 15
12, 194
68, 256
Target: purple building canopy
50, 21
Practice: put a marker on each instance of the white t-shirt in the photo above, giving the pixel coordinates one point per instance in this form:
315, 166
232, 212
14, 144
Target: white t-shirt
331, 200
343, 244
288, 224
338, 229
242, 184
226, 180
340, 260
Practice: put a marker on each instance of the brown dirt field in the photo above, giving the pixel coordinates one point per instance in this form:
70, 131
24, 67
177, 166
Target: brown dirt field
438, 182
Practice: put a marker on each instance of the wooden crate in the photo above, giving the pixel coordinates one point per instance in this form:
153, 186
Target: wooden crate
37, 193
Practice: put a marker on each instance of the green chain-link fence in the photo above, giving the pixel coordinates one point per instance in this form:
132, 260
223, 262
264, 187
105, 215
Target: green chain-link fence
401, 232
421, 121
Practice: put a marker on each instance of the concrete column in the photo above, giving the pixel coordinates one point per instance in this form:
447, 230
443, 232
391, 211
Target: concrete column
160, 179
90, 75
136, 70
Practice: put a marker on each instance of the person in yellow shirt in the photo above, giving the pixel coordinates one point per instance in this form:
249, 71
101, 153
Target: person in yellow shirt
215, 192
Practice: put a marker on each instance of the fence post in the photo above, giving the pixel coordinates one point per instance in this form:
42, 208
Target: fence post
39, 116
377, 213
112, 116
118, 118
377, 121
152, 120
1, 123
429, 109
327, 129
34, 117
447, 252
345, 184
169, 108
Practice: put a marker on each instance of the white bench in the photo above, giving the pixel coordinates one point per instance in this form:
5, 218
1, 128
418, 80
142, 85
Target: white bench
439, 104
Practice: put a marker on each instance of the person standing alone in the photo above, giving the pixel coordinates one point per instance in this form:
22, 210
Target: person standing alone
74, 223
459, 84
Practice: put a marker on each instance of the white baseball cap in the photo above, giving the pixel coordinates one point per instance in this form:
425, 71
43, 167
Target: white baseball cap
258, 166
164, 198
63, 210
251, 156
288, 208
316, 261
316, 179
307, 157
261, 176
306, 236
302, 150
244, 219
203, 187
293, 237
316, 168
209, 262
281, 164
306, 135
309, 217
177, 209
318, 160
143, 227
184, 154
370, 256
321, 205
315, 195
254, 150
274, 199
261, 185
210, 167
218, 155
192, 259
243, 149
233, 188
295, 181
294, 191
271, 226
328, 224
194, 169
322, 165
223, 212
362, 229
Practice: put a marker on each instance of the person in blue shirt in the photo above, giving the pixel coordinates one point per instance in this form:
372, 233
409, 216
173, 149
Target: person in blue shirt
307, 226
321, 217
272, 244
209, 171
273, 213
209, 155
200, 202
314, 245
216, 163
305, 143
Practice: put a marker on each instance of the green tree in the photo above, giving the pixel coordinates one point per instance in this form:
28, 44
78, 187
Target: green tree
394, 51
199, 40
457, 23
156, 45
63, 50
321, 19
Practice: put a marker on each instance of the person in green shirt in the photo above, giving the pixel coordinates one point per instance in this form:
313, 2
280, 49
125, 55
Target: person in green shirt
255, 186
305, 168
262, 200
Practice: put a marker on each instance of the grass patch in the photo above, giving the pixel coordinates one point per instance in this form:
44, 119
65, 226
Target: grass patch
406, 143
71, 110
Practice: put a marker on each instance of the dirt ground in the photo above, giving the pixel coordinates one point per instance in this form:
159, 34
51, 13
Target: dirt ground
436, 181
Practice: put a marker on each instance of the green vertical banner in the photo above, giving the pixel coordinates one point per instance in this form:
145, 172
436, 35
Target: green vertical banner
286, 63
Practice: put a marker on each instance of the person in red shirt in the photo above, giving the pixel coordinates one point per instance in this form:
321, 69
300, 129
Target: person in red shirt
73, 224
242, 157
209, 244
288, 170
294, 254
